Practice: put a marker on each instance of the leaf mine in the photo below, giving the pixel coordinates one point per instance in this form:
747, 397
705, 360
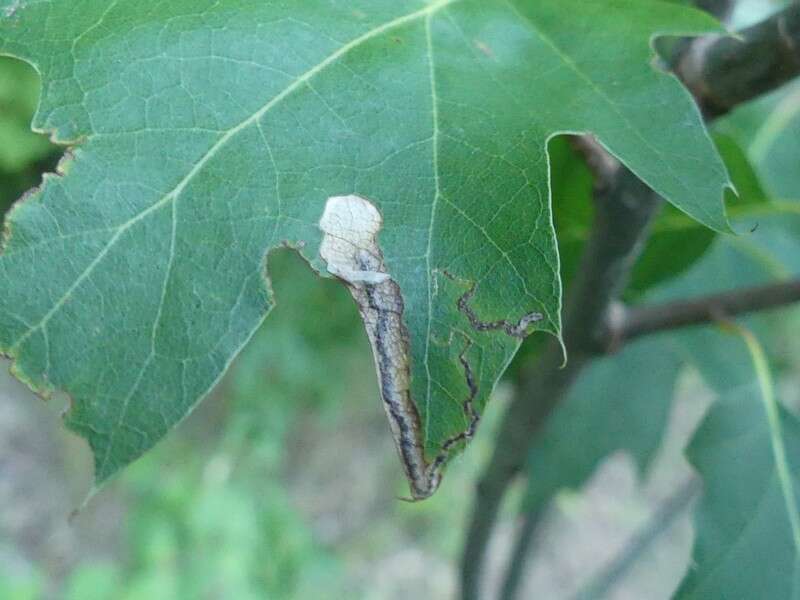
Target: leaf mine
350, 226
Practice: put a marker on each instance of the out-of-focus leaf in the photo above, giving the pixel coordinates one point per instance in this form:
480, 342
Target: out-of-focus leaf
619, 402
19, 92
743, 175
769, 129
748, 526
571, 185
776, 148
677, 242
23, 153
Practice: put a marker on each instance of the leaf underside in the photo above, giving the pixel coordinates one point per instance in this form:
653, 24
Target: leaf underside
208, 133
746, 451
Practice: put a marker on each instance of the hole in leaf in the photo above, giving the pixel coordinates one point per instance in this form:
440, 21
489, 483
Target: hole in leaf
24, 155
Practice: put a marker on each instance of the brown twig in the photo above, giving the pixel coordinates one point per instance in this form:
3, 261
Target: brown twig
721, 72
644, 320
721, 9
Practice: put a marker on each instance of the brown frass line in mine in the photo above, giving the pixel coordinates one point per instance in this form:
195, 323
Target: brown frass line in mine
350, 226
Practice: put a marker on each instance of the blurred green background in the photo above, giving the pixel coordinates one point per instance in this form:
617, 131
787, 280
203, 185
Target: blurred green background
284, 483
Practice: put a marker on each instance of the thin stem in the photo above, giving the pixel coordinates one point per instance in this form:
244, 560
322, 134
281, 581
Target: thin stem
520, 554
660, 522
644, 320
721, 9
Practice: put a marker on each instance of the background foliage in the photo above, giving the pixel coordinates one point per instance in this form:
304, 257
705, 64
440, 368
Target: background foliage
282, 485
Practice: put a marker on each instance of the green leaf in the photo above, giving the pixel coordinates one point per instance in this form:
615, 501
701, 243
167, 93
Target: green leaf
208, 133
777, 145
748, 525
677, 241
769, 128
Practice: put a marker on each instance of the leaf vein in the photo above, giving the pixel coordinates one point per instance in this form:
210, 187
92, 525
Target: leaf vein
221, 142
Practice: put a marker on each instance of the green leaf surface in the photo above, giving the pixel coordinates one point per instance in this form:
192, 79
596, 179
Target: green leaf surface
208, 133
